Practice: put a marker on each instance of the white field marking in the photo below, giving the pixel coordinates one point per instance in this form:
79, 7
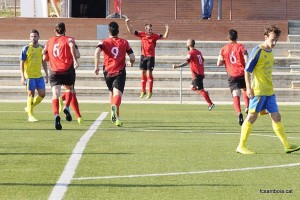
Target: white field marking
65, 178
189, 173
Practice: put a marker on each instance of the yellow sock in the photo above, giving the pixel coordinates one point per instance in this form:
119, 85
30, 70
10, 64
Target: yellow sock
245, 131
280, 132
29, 105
37, 100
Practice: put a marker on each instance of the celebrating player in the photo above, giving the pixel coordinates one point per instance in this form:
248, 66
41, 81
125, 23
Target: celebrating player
114, 67
261, 92
196, 61
31, 60
148, 40
234, 56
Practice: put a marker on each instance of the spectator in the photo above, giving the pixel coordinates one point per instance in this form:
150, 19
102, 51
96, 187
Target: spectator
207, 6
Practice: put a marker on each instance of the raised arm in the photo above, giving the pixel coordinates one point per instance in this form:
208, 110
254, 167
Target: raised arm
167, 32
129, 27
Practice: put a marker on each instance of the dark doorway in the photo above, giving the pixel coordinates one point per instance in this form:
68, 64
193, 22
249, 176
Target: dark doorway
89, 8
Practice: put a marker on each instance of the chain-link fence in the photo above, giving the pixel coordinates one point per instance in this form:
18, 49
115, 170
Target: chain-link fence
9, 8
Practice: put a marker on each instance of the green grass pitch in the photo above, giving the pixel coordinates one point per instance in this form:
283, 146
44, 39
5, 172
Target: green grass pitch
171, 151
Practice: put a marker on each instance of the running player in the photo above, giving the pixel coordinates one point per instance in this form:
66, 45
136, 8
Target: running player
234, 56
196, 61
31, 60
261, 92
61, 52
148, 40
114, 67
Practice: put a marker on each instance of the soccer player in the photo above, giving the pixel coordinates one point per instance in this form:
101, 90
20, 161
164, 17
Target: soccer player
74, 101
60, 50
148, 40
196, 61
261, 92
31, 60
114, 67
234, 56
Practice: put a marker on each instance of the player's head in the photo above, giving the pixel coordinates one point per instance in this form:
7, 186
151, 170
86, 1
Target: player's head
272, 34
148, 28
60, 28
113, 28
190, 43
232, 35
34, 36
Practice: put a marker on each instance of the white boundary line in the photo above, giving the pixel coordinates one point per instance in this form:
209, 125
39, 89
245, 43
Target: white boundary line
188, 173
62, 184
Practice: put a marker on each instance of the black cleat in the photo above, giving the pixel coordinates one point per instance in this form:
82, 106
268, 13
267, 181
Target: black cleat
57, 123
68, 114
241, 119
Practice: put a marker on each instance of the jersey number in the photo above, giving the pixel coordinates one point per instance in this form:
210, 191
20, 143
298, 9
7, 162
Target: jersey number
200, 59
115, 51
232, 58
56, 50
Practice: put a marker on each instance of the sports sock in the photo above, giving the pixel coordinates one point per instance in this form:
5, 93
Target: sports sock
37, 100
144, 82
280, 132
68, 96
246, 99
205, 95
245, 132
55, 106
150, 83
29, 105
75, 105
63, 96
117, 101
236, 104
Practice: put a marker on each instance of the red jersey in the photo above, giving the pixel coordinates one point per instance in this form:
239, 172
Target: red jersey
233, 55
114, 50
196, 61
148, 42
60, 57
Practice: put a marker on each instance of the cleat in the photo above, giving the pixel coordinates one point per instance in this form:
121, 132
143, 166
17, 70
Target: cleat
247, 110
149, 95
113, 114
61, 104
32, 119
244, 150
26, 109
57, 123
119, 123
211, 107
79, 120
292, 148
142, 94
68, 114
241, 119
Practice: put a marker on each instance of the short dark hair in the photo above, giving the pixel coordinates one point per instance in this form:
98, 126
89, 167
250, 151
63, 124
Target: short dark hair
193, 42
60, 28
113, 28
272, 28
35, 31
232, 35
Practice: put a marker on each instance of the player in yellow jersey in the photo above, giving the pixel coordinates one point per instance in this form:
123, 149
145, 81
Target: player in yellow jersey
31, 60
261, 92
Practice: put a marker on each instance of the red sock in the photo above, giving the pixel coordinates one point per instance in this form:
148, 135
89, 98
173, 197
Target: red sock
55, 106
117, 101
205, 95
150, 83
68, 96
63, 96
236, 104
144, 82
75, 105
246, 99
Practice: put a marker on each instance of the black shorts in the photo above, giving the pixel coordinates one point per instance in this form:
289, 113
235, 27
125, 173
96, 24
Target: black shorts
117, 81
147, 63
236, 83
63, 78
197, 83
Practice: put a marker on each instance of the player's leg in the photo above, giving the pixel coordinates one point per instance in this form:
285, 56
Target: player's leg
143, 67
66, 109
197, 85
150, 68
75, 106
236, 93
41, 88
56, 89
246, 100
30, 86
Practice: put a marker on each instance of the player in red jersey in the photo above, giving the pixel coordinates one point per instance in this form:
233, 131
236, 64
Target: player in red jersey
60, 50
196, 61
114, 67
148, 40
234, 56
